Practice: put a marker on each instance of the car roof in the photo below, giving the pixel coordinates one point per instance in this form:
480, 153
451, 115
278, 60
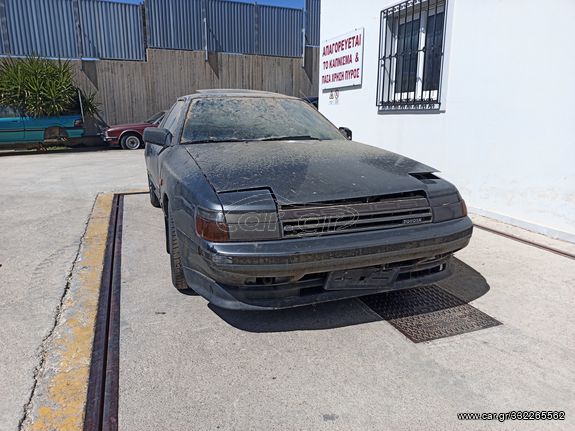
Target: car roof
225, 92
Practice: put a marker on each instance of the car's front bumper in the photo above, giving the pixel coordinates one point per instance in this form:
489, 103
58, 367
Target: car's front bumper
220, 271
111, 140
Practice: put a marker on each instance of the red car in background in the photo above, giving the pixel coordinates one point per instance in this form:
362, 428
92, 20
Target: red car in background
129, 136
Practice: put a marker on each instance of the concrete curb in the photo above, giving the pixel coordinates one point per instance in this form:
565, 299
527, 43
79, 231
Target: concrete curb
59, 396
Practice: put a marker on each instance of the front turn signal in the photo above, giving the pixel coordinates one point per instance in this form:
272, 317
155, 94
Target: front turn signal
463, 208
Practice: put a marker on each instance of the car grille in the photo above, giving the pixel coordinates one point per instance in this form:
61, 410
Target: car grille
385, 212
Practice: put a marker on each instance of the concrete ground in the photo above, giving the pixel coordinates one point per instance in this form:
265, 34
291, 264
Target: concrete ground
186, 365
46, 200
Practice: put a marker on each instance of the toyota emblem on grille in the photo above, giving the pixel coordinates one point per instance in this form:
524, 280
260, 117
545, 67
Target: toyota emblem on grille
412, 220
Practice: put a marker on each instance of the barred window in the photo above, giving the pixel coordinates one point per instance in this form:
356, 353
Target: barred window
411, 43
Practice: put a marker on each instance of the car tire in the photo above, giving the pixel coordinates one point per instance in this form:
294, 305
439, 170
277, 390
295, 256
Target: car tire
131, 141
167, 232
178, 279
153, 198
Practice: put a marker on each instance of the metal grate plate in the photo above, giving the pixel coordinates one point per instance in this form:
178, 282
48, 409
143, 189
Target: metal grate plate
428, 313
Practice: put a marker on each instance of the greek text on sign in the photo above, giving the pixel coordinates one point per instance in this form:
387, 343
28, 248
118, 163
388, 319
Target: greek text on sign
341, 61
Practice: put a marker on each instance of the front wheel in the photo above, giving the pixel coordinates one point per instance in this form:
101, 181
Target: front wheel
131, 142
153, 198
178, 279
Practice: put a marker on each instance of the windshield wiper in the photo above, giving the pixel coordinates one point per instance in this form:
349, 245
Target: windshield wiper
291, 138
272, 138
211, 141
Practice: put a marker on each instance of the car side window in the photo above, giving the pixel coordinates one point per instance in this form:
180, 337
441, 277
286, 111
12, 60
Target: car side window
167, 117
159, 120
171, 121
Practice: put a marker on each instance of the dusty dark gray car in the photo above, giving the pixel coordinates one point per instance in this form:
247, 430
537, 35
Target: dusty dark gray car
267, 205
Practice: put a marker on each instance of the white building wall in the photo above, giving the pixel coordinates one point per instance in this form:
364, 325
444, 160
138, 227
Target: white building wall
506, 137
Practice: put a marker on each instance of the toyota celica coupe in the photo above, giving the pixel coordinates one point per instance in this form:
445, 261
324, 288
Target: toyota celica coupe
268, 205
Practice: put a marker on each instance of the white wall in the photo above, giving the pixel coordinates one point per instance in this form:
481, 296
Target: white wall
507, 135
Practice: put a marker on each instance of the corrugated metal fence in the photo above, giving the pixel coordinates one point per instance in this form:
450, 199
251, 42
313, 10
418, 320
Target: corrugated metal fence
113, 30
72, 29
312, 9
174, 24
225, 26
280, 31
231, 27
39, 27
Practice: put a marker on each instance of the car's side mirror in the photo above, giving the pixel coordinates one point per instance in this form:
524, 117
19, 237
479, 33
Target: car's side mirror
157, 136
346, 132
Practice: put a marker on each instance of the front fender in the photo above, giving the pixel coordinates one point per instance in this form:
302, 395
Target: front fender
130, 131
183, 183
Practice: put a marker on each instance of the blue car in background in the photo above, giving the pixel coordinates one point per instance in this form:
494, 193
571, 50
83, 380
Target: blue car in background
18, 130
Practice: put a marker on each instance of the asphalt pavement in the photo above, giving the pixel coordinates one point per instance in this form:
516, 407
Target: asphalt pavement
187, 365
46, 200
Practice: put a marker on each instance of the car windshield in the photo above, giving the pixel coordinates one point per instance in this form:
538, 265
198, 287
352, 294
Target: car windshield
222, 119
155, 118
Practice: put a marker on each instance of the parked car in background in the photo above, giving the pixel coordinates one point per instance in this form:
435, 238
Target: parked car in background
129, 136
267, 205
19, 130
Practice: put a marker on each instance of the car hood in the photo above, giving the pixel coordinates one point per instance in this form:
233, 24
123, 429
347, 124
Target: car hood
307, 171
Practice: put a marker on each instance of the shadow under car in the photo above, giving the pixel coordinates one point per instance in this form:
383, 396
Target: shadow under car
465, 285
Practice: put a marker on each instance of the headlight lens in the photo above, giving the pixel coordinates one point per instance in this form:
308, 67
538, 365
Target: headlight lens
211, 226
251, 215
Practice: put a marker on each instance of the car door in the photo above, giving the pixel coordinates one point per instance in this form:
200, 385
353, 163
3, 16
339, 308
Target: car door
11, 125
34, 128
152, 152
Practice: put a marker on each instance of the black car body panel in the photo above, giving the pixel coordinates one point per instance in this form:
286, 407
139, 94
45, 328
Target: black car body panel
307, 171
400, 222
415, 250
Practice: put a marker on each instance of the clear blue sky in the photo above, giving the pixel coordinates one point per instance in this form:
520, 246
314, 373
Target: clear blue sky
286, 3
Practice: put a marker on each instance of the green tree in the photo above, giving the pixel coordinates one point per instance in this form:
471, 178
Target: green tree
40, 87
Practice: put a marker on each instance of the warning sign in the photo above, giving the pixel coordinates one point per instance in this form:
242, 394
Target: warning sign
341, 63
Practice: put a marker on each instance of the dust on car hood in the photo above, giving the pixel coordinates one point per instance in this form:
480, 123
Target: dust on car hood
307, 171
